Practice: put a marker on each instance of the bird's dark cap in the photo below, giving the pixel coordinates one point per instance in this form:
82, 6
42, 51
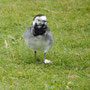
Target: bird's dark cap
39, 15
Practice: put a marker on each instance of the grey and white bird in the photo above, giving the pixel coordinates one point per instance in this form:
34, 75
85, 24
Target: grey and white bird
38, 35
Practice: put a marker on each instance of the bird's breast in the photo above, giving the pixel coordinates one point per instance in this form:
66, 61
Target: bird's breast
38, 43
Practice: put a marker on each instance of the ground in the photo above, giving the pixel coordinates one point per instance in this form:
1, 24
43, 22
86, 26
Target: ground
69, 22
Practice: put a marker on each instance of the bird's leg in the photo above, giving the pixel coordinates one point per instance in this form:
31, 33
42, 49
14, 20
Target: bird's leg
35, 56
44, 58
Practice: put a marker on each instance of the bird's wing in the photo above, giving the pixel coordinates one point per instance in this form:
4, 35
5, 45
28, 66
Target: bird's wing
49, 36
27, 33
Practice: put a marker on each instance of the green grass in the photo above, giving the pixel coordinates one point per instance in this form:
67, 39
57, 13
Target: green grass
69, 21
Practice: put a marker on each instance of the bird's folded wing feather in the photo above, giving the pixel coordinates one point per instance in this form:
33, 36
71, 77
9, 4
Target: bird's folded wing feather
27, 33
49, 36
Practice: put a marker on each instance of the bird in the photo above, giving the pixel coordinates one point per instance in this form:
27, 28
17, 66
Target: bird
38, 35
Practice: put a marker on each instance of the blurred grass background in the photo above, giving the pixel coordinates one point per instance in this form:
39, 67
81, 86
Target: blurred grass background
69, 21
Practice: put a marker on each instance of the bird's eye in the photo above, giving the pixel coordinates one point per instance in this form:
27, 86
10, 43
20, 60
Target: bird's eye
44, 21
38, 20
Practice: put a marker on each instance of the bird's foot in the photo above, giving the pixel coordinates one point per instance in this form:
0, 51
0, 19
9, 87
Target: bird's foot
42, 62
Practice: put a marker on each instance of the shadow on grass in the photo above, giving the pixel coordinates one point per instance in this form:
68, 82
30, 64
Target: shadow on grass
29, 60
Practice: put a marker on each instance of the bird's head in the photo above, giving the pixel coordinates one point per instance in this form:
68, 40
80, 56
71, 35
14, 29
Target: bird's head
40, 21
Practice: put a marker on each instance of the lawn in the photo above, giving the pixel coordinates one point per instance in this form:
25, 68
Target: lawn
69, 22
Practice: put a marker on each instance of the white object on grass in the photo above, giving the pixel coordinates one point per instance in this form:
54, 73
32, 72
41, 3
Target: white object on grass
47, 61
